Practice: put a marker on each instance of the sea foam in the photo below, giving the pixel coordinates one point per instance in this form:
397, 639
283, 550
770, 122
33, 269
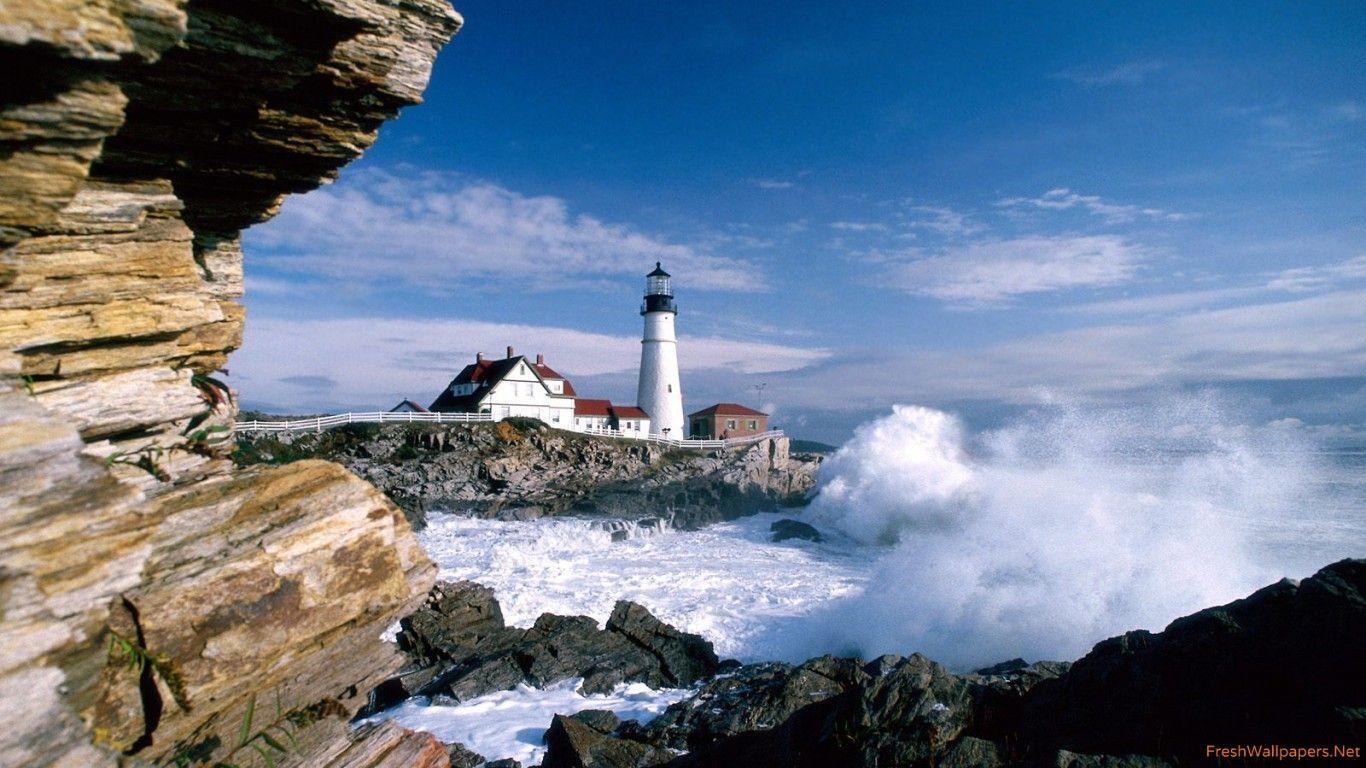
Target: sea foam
1042, 538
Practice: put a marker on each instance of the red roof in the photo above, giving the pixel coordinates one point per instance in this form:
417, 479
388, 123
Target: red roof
589, 407
629, 412
549, 373
728, 409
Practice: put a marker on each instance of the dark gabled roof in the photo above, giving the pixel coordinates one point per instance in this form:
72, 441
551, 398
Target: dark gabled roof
448, 403
728, 409
485, 373
629, 412
585, 406
410, 404
659, 272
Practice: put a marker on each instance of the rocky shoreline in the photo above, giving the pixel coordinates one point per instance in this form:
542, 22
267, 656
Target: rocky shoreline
1282, 666
521, 470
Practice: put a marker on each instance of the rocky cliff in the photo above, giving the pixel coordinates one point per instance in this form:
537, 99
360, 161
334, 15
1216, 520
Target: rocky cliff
157, 603
523, 470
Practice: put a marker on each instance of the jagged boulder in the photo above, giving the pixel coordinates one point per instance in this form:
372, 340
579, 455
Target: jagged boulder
794, 529
754, 697
458, 648
1282, 665
585, 740
683, 658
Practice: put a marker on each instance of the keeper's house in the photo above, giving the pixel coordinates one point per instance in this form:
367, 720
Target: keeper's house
726, 420
513, 386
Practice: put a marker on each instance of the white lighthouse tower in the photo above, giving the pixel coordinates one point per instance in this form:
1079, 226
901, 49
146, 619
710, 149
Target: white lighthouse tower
659, 393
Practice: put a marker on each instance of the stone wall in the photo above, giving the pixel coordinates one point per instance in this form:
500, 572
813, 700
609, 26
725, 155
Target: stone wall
156, 603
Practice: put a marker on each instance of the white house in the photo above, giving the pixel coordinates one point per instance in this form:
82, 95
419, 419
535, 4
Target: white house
513, 386
603, 414
590, 413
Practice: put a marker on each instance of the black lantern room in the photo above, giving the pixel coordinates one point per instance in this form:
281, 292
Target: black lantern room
659, 293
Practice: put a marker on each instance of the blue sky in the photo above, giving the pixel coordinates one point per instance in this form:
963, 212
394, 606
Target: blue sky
973, 208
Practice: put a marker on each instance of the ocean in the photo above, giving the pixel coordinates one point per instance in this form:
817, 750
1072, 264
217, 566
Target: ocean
1037, 540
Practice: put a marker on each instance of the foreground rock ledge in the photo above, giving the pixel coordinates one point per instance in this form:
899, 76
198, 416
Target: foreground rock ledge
137, 139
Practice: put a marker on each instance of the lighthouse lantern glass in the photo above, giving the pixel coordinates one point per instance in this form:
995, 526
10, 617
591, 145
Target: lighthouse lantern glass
658, 286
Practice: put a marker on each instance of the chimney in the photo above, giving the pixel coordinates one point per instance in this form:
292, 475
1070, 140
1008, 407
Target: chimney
511, 353
478, 357
540, 359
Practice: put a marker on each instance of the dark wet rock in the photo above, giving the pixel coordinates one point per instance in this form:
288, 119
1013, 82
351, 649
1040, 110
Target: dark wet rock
456, 619
561, 647
683, 658
459, 647
906, 715
1004, 668
585, 740
1278, 666
1281, 666
506, 762
754, 697
970, 752
464, 757
794, 529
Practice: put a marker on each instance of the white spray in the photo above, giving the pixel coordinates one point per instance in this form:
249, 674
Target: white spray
1052, 534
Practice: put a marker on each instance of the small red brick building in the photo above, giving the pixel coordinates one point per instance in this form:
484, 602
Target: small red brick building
725, 420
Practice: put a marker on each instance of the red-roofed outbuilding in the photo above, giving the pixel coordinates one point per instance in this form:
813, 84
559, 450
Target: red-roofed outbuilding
725, 420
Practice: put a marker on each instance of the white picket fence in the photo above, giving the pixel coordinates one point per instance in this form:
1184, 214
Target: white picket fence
384, 417
320, 423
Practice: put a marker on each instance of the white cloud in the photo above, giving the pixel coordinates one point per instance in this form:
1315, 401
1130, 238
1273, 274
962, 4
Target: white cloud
942, 220
1310, 279
772, 183
994, 271
858, 226
1062, 198
427, 229
1305, 338
373, 361
1319, 277
1128, 73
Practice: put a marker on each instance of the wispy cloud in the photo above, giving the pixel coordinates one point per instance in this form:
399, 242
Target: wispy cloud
1319, 277
858, 226
1255, 287
1062, 198
772, 183
1127, 73
991, 272
1312, 337
368, 362
424, 228
942, 220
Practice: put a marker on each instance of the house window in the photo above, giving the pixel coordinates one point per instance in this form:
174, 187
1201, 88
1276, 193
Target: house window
730, 423
753, 425
671, 387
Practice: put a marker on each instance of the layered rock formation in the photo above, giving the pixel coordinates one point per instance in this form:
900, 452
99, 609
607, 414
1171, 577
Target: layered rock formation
511, 472
156, 603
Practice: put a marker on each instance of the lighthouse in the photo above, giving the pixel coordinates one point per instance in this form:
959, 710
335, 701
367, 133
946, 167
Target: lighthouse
659, 393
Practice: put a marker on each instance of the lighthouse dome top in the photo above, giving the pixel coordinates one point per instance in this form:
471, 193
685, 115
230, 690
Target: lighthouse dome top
659, 292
